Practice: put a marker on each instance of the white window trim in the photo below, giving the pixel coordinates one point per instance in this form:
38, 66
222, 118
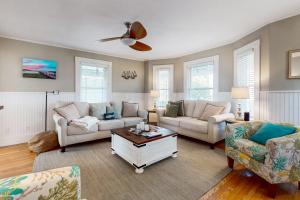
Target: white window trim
93, 62
256, 48
189, 64
171, 78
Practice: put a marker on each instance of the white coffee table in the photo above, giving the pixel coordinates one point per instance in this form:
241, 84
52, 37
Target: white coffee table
140, 151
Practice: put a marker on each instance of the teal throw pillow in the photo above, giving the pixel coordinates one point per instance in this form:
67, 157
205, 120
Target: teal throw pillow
268, 131
114, 109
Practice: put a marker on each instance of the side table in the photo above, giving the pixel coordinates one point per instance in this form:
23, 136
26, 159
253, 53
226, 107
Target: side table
148, 116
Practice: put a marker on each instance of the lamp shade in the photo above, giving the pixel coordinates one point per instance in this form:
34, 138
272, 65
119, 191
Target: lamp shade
240, 93
154, 93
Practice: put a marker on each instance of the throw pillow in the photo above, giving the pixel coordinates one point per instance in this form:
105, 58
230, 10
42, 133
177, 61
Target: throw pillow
109, 116
180, 107
172, 110
98, 110
69, 112
115, 109
130, 109
211, 110
268, 131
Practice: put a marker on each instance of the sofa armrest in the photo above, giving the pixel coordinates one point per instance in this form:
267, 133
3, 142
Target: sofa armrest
284, 152
61, 125
220, 118
65, 182
143, 114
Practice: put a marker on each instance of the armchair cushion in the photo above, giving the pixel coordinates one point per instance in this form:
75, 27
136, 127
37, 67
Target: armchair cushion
252, 149
268, 131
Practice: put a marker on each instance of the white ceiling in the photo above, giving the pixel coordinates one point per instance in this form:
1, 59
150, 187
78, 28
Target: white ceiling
175, 27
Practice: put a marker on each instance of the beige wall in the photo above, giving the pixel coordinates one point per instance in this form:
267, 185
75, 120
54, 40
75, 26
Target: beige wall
12, 51
226, 64
284, 36
276, 40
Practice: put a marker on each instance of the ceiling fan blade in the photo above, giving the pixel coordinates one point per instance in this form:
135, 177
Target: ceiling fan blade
139, 46
137, 31
110, 39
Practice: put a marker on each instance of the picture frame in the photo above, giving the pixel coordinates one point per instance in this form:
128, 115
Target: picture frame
294, 64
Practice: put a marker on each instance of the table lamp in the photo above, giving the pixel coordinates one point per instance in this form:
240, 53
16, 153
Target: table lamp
239, 93
154, 94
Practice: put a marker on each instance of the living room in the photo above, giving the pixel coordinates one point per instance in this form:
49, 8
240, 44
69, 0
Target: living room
149, 100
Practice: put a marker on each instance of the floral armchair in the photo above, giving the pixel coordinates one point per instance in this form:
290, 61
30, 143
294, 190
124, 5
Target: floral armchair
55, 184
277, 162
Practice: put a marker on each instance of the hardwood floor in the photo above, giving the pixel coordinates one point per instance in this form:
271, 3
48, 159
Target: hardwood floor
17, 159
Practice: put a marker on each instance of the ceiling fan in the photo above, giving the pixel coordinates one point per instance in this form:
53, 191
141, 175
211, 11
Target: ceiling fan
135, 31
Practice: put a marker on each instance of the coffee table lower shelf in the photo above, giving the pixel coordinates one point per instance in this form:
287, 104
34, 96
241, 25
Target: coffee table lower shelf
143, 155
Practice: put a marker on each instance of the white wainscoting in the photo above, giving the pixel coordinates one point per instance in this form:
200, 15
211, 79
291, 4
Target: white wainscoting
23, 115
280, 106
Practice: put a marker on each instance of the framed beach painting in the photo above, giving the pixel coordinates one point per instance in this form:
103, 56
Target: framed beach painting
38, 68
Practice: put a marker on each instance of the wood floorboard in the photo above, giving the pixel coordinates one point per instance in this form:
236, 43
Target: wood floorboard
17, 160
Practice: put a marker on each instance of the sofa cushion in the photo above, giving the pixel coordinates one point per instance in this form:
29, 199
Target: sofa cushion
180, 106
194, 125
82, 107
189, 107
130, 109
225, 104
69, 112
252, 149
211, 110
131, 121
172, 110
75, 130
199, 108
98, 110
169, 120
110, 124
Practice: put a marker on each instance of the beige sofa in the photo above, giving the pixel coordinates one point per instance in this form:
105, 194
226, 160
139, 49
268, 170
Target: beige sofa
68, 134
210, 131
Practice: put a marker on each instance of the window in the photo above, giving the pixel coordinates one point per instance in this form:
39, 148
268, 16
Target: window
201, 79
163, 82
93, 80
246, 74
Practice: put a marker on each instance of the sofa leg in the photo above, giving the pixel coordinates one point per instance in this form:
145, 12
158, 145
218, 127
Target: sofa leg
212, 146
272, 190
230, 162
63, 149
298, 185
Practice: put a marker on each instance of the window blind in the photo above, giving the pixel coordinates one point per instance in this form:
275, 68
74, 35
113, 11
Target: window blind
163, 86
200, 81
245, 76
93, 83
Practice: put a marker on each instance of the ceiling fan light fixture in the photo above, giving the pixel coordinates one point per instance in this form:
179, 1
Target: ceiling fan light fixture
128, 41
